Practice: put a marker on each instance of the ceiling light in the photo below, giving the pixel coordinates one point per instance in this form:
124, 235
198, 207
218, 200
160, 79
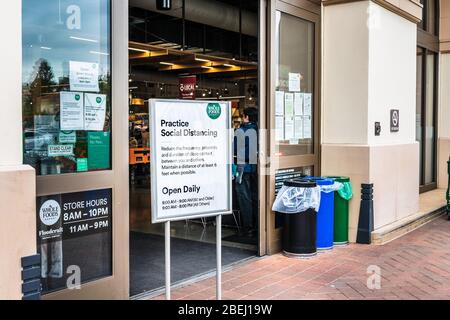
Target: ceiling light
46, 48
83, 39
203, 60
99, 53
167, 63
139, 50
229, 65
205, 67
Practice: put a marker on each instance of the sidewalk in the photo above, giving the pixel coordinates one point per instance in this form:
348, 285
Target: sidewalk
416, 266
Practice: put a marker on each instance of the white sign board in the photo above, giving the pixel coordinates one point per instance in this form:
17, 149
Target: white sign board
294, 82
84, 76
71, 105
191, 148
94, 112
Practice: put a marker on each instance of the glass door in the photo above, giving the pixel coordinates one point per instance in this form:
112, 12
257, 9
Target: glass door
75, 136
294, 101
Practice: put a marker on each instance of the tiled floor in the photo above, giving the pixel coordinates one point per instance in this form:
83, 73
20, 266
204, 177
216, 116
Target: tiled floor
415, 266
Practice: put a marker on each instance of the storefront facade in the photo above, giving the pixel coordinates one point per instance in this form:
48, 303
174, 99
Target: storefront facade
350, 62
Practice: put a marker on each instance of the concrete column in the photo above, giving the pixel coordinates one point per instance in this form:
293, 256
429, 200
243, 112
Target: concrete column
369, 68
17, 182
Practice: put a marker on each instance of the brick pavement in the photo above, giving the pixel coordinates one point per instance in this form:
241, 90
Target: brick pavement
415, 266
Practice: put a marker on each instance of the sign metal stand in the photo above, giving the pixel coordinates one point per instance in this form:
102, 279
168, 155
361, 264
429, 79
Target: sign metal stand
167, 257
206, 120
218, 257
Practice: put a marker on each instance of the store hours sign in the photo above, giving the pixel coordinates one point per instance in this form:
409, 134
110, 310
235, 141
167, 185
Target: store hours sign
73, 215
191, 159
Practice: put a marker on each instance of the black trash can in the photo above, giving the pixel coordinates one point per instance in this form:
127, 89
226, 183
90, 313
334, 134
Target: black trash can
299, 228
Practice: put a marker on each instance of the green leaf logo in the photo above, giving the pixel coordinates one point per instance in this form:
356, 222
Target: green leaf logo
99, 100
77, 97
214, 110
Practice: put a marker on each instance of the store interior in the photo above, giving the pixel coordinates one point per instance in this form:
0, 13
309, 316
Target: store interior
203, 50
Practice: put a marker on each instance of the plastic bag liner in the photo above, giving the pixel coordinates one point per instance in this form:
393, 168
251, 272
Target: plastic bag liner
346, 191
327, 185
294, 198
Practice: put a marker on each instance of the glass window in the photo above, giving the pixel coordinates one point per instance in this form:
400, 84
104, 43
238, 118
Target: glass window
430, 160
294, 102
426, 115
432, 15
419, 102
66, 85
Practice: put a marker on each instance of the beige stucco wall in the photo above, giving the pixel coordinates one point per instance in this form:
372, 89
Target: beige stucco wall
17, 182
369, 68
17, 226
396, 191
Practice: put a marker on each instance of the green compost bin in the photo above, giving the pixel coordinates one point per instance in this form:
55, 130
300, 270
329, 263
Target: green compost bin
341, 210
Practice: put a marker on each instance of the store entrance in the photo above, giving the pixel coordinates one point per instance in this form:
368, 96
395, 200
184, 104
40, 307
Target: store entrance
190, 52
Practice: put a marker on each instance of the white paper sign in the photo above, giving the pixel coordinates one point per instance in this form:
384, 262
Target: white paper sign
298, 128
279, 128
289, 129
84, 76
94, 112
294, 82
60, 150
279, 103
71, 107
307, 127
298, 104
307, 104
289, 105
191, 156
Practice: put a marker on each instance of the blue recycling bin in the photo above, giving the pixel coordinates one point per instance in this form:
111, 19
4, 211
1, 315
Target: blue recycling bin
325, 216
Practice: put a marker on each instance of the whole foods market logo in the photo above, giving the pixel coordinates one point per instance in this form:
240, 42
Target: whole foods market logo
99, 100
50, 212
214, 110
77, 97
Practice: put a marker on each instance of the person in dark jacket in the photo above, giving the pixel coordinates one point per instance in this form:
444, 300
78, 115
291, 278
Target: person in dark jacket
246, 159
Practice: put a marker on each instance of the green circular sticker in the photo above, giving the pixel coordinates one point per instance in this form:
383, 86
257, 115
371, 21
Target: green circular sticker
214, 110
77, 97
99, 100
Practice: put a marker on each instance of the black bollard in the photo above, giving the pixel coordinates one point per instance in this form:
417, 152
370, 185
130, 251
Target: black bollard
365, 223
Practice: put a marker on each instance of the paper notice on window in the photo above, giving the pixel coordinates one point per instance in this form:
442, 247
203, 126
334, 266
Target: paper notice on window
294, 82
289, 105
298, 104
66, 137
84, 76
60, 150
94, 112
71, 111
307, 104
279, 103
307, 127
279, 128
298, 131
289, 129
